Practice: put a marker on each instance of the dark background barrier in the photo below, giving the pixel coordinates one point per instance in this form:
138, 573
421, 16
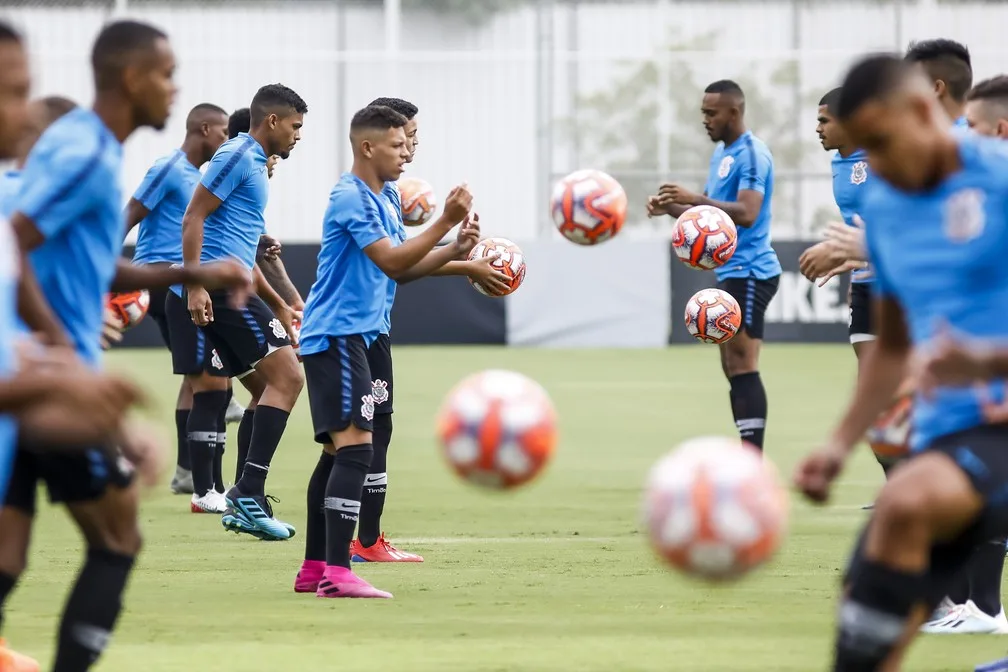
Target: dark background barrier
433, 310
799, 313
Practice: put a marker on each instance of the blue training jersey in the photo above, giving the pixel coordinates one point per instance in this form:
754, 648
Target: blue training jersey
9, 333
71, 192
10, 185
351, 294
165, 192
391, 191
746, 165
850, 173
237, 176
940, 254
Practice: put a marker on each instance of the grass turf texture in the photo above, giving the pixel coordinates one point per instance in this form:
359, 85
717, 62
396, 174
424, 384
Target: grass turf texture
553, 577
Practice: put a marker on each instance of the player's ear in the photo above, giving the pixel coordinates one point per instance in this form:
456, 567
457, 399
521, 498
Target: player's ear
939, 87
367, 149
205, 129
132, 80
1001, 130
272, 120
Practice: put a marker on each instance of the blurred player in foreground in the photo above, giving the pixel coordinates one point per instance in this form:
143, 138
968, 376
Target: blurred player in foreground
740, 183
944, 501
364, 249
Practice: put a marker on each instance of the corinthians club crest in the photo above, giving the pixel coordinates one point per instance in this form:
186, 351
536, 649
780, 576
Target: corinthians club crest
725, 166
859, 173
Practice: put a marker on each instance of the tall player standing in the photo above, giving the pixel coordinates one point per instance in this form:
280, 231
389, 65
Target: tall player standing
740, 182
68, 215
363, 251
225, 219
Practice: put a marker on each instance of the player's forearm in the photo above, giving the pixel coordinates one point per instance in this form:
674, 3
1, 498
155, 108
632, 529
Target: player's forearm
675, 210
275, 274
404, 257
884, 372
266, 292
734, 209
22, 391
433, 264
192, 239
35, 310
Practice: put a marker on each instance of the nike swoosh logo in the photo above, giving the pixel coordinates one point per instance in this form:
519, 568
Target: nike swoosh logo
371, 481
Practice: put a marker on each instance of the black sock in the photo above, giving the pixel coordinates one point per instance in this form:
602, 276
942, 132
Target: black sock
218, 465
244, 440
749, 407
375, 483
182, 434
267, 431
92, 610
203, 437
7, 583
342, 500
984, 570
959, 589
873, 616
315, 526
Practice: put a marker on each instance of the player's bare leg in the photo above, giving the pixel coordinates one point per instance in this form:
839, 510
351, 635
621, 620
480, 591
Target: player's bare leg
181, 483
740, 363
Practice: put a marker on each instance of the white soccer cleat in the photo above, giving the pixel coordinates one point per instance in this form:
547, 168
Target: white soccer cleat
968, 619
235, 411
211, 502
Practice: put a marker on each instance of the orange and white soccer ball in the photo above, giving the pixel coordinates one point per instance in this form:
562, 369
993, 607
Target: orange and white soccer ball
510, 261
715, 508
497, 429
713, 316
704, 237
417, 200
129, 307
588, 207
889, 435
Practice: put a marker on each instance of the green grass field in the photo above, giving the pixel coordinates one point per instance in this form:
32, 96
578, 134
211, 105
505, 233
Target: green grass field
556, 577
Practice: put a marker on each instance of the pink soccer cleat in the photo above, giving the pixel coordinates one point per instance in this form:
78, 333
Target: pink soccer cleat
341, 582
308, 576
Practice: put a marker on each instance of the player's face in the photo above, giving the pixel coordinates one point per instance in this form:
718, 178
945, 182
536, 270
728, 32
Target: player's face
411, 138
829, 130
285, 133
390, 153
718, 112
216, 135
14, 85
38, 121
984, 120
152, 87
901, 138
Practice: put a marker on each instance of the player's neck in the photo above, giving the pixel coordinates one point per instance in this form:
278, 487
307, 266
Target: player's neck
733, 134
954, 110
368, 177
115, 114
845, 151
260, 136
193, 151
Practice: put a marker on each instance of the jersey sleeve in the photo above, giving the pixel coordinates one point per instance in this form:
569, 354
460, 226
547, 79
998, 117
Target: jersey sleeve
225, 172
156, 183
881, 286
361, 221
59, 183
756, 170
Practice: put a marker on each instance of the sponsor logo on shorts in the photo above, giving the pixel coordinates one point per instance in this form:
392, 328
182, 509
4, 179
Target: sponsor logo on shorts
367, 407
278, 329
379, 391
215, 361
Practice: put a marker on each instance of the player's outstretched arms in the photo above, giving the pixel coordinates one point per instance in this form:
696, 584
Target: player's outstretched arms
658, 206
395, 262
217, 275
884, 368
743, 212
443, 260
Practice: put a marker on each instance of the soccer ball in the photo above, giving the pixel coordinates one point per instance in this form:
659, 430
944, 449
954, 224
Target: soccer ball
510, 261
704, 237
713, 316
889, 436
588, 207
714, 508
497, 429
417, 200
129, 307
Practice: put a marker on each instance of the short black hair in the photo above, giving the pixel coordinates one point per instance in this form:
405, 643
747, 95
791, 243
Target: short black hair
871, 78
995, 88
403, 107
275, 98
945, 60
376, 118
9, 34
116, 43
830, 100
725, 86
56, 107
240, 121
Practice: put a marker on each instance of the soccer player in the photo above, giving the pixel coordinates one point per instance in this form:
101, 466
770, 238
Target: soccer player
948, 65
946, 499
371, 544
364, 249
157, 207
225, 218
68, 214
740, 183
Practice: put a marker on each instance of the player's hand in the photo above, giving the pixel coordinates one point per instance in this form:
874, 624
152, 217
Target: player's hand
226, 275
200, 306
815, 474
457, 205
468, 236
849, 241
951, 362
112, 329
482, 271
145, 449
845, 267
674, 193
655, 207
269, 247
288, 316
819, 260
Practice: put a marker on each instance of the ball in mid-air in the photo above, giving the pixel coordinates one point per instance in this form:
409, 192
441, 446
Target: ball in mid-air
129, 307
417, 199
509, 260
713, 316
715, 508
704, 237
497, 429
588, 207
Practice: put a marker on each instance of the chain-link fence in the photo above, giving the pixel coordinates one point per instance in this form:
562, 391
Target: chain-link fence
514, 94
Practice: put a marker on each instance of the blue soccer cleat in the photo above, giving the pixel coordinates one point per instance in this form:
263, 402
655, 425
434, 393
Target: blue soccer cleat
253, 515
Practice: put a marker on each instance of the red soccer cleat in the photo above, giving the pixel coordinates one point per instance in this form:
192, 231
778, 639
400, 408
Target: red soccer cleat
382, 551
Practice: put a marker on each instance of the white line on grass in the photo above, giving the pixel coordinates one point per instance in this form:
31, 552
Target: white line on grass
438, 541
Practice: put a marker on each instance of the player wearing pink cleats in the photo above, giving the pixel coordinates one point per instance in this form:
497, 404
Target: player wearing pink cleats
316, 577
380, 551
